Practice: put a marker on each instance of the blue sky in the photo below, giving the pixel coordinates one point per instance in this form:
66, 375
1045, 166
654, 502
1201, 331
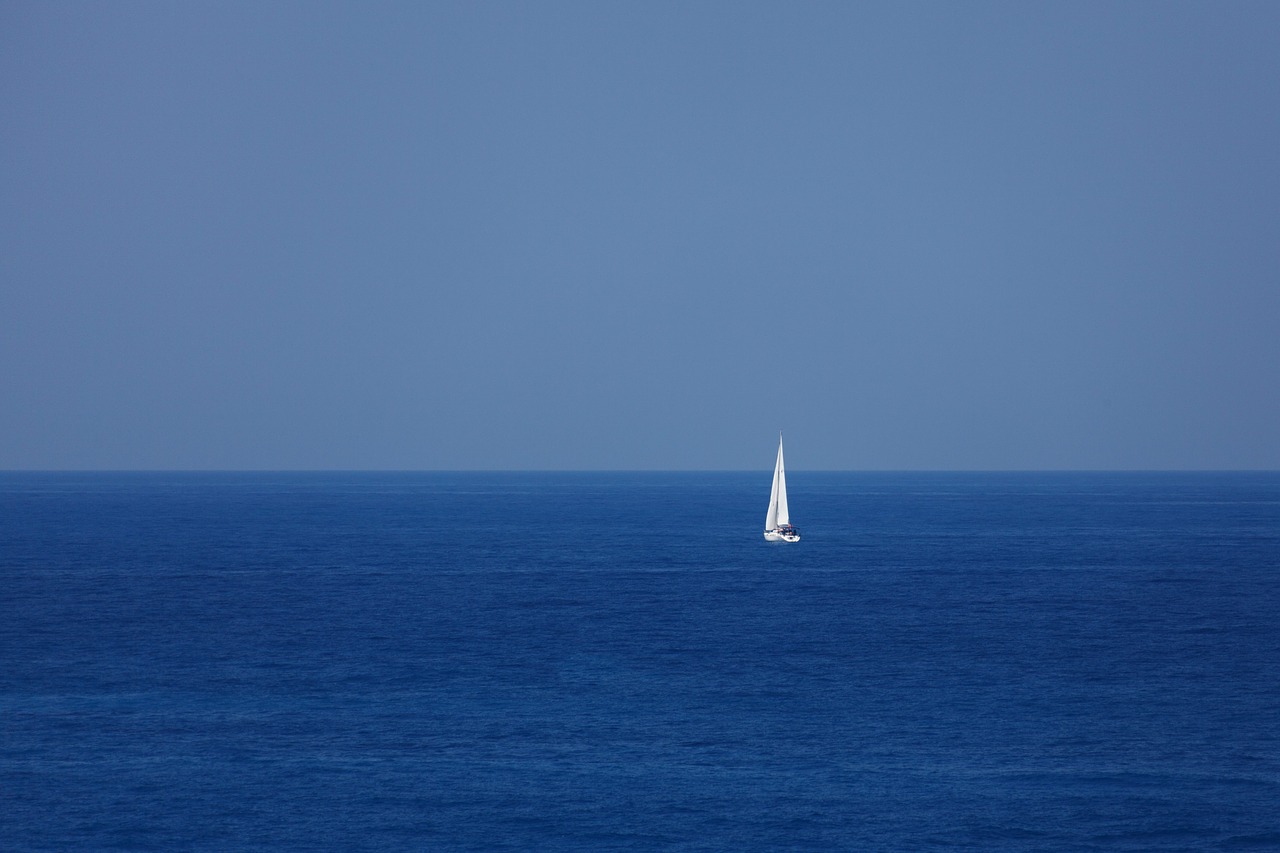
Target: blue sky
639, 235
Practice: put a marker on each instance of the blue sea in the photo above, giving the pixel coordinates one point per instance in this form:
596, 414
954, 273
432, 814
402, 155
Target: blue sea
619, 661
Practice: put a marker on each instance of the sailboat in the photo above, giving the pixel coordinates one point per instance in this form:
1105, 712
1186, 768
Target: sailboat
777, 524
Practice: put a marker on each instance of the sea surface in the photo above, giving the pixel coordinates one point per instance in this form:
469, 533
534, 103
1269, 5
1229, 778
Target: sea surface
619, 661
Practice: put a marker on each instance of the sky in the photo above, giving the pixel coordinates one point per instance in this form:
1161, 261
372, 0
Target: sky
639, 235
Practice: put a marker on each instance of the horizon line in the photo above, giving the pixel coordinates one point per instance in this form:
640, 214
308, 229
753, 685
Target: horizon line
1189, 470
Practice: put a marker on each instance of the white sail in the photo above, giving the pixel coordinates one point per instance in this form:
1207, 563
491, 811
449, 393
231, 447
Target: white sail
778, 514
777, 524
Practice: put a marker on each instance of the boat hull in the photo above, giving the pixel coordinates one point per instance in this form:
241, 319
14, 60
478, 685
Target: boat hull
775, 536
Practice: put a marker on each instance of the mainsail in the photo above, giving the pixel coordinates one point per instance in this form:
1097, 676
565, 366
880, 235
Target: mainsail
778, 515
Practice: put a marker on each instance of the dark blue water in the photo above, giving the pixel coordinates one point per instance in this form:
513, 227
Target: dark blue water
619, 661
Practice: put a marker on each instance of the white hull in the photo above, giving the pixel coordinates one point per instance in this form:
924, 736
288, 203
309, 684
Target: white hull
775, 536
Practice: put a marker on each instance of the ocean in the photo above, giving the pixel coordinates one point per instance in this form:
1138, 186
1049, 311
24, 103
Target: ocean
619, 661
